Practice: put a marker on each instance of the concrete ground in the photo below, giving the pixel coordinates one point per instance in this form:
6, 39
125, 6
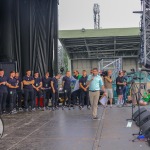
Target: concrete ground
70, 130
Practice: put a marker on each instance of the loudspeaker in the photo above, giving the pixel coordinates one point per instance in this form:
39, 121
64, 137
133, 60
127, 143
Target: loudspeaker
144, 117
145, 129
137, 113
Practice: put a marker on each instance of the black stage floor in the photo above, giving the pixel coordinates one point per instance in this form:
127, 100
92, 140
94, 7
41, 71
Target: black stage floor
70, 130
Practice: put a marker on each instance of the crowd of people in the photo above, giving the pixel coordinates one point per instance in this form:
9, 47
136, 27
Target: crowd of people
29, 89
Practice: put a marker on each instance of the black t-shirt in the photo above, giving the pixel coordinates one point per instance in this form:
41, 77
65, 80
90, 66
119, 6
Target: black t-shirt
121, 80
13, 82
46, 82
83, 81
19, 80
26, 78
67, 84
37, 82
3, 88
55, 83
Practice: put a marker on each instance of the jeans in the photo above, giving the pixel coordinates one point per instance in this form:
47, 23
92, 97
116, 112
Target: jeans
55, 98
46, 96
3, 98
84, 95
12, 100
124, 94
67, 94
28, 93
74, 96
19, 97
37, 94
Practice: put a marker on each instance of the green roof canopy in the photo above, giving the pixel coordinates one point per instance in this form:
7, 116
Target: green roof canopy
101, 43
99, 32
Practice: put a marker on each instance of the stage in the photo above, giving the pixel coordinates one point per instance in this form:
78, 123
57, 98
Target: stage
70, 130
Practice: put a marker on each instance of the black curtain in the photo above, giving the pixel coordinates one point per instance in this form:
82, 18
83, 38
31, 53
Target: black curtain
29, 34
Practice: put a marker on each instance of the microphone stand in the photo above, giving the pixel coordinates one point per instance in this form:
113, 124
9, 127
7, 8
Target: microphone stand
139, 93
132, 88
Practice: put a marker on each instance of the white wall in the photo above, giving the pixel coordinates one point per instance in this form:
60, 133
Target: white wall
127, 64
84, 65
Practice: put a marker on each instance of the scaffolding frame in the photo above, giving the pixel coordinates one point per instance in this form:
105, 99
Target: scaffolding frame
145, 33
111, 64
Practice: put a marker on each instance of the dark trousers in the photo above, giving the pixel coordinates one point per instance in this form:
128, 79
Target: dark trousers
67, 94
46, 96
28, 93
37, 94
125, 93
3, 98
12, 100
55, 98
75, 95
19, 97
84, 97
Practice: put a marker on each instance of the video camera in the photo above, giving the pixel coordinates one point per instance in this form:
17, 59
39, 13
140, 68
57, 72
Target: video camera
104, 73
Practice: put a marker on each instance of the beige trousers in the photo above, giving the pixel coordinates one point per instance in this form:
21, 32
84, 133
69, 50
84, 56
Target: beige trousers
94, 97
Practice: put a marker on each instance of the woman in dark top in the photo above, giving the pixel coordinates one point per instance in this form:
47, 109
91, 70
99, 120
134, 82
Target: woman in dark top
119, 88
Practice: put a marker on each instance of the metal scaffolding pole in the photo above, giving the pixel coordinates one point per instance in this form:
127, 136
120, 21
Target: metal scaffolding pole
145, 33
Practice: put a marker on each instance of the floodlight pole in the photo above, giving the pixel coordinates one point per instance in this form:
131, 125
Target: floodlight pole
96, 11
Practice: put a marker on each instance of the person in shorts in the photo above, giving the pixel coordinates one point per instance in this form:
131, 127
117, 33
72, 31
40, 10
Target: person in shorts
119, 88
108, 86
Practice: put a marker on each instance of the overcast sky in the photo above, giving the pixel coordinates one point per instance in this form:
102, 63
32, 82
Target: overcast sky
77, 14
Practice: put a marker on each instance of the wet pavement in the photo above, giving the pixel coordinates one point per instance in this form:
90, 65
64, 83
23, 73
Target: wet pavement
70, 130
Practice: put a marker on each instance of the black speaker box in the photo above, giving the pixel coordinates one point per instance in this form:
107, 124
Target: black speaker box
144, 117
136, 114
145, 129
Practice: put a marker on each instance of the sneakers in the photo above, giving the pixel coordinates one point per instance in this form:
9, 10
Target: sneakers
53, 109
88, 107
26, 110
39, 108
57, 107
33, 109
63, 107
80, 107
44, 109
14, 111
20, 109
